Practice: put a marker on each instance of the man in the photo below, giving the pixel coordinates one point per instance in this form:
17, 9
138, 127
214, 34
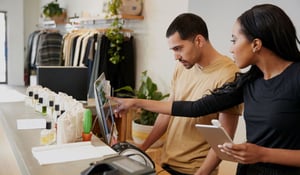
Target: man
203, 69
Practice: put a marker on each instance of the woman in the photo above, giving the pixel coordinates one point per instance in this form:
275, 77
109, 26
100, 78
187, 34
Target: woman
265, 38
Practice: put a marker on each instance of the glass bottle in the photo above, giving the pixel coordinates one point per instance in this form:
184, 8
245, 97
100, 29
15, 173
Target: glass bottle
41, 107
35, 100
50, 108
29, 101
55, 113
44, 108
48, 135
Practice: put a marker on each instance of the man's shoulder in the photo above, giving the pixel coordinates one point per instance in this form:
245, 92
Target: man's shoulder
227, 63
179, 69
227, 60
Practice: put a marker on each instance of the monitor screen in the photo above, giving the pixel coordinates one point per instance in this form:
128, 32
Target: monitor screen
70, 80
104, 110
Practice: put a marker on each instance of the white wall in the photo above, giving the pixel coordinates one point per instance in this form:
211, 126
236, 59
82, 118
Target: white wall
31, 18
15, 38
153, 53
220, 16
78, 7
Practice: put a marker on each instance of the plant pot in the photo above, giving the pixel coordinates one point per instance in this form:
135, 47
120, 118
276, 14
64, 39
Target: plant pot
130, 7
86, 136
60, 19
140, 132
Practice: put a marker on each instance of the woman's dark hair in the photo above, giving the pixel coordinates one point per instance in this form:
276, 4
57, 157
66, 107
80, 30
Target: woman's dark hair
188, 25
275, 29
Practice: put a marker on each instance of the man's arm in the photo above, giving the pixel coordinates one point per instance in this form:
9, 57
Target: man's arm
229, 122
159, 128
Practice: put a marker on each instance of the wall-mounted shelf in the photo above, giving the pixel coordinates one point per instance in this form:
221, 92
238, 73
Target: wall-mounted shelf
103, 19
134, 17
88, 22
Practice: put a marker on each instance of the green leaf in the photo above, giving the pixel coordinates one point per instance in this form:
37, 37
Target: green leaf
126, 88
147, 90
52, 9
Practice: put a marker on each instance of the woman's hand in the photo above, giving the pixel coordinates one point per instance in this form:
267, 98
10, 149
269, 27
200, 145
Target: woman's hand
245, 153
122, 104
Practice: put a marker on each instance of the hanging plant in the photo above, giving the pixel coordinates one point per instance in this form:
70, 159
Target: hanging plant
114, 33
52, 9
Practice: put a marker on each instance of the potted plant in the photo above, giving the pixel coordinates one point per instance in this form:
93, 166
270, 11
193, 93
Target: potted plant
114, 32
53, 11
147, 90
87, 125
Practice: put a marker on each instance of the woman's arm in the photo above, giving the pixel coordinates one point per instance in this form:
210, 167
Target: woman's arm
208, 104
203, 106
163, 107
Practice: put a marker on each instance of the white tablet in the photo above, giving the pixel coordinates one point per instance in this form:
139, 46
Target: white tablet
216, 135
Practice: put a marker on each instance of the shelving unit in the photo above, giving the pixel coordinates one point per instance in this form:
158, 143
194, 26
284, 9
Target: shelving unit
132, 17
77, 22
96, 20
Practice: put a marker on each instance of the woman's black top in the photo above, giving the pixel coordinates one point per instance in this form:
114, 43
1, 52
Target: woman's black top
271, 109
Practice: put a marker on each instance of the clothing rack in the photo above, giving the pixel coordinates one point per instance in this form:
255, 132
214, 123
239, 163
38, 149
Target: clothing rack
43, 49
85, 51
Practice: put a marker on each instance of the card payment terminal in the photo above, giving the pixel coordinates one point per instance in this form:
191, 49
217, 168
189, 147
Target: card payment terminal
118, 165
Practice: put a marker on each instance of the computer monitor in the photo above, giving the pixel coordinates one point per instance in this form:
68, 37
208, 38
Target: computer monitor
70, 80
104, 110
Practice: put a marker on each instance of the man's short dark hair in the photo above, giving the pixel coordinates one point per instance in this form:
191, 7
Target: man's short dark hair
188, 25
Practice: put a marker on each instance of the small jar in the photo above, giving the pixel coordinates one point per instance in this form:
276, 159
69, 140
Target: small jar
35, 100
29, 101
48, 135
50, 108
41, 107
55, 113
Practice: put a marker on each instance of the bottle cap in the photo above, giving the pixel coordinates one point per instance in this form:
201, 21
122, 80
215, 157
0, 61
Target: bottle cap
51, 103
48, 124
40, 100
30, 93
56, 107
36, 96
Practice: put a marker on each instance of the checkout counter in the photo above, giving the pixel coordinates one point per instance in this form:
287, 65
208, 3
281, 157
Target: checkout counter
22, 141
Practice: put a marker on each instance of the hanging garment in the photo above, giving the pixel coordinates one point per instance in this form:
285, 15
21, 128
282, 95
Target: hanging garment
49, 49
27, 62
123, 73
43, 49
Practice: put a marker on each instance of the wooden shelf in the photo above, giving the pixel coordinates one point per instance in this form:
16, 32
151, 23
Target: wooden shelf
125, 17
133, 17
